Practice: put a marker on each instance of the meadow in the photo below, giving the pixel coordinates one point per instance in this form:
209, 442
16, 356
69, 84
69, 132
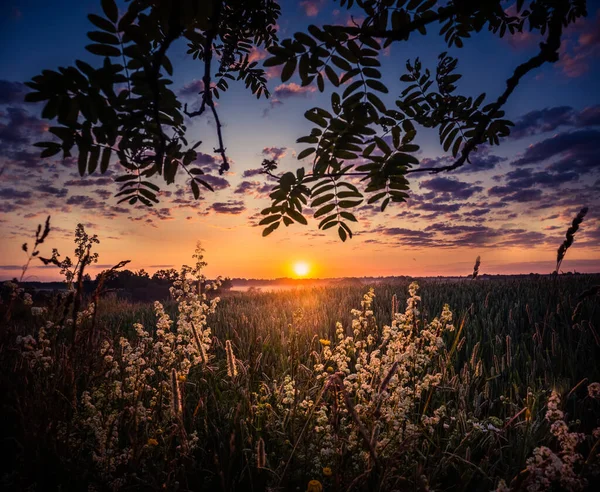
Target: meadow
469, 384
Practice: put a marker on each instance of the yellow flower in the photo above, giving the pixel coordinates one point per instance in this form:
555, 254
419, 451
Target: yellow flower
327, 471
325, 343
181, 378
330, 369
314, 486
152, 442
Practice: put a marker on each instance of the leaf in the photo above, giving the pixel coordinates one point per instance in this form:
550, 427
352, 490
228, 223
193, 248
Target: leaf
349, 203
195, 190
93, 160
306, 153
332, 76
342, 234
110, 9
102, 23
288, 69
315, 118
103, 50
324, 210
125, 177
321, 200
273, 61
341, 63
204, 183
82, 160
270, 229
348, 216
103, 37
269, 219
351, 88
297, 216
378, 86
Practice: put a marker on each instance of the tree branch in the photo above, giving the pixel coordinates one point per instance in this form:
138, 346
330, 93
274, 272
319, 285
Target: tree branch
548, 53
443, 13
207, 98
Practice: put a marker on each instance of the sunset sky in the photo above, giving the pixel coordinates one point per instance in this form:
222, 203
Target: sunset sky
512, 205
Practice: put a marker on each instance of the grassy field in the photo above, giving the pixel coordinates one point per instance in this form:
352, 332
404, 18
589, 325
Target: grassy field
310, 389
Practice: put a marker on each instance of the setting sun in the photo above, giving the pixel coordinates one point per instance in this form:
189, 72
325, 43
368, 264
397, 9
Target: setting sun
301, 269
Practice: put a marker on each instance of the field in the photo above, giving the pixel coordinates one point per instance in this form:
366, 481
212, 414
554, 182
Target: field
471, 384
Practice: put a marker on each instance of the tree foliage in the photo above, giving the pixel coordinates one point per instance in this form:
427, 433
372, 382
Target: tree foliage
126, 107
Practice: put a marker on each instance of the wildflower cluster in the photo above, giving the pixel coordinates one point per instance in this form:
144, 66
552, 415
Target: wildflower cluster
373, 382
140, 398
547, 468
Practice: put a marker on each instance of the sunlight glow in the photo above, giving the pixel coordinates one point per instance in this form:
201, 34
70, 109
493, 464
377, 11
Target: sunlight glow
301, 269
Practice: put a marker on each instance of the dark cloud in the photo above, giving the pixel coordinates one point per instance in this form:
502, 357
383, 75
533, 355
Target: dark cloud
449, 235
578, 151
510, 194
459, 190
12, 92
248, 173
52, 190
83, 201
216, 182
540, 121
526, 178
478, 212
253, 188
233, 207
480, 161
13, 194
439, 207
20, 128
549, 119
89, 181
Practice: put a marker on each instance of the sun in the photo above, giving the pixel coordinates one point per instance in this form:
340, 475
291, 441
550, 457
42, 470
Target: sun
301, 269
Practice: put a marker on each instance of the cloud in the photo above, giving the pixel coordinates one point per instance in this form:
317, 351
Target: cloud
540, 121
578, 151
83, 201
52, 190
273, 103
207, 160
448, 235
456, 189
292, 89
233, 207
519, 183
312, 7
248, 173
257, 54
19, 128
274, 152
577, 52
216, 182
89, 181
12, 92
478, 212
255, 188
549, 119
12, 194
192, 88
481, 160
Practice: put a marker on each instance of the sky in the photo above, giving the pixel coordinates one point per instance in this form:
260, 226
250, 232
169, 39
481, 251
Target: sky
511, 206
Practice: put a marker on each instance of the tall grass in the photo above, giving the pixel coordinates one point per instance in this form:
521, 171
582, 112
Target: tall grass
439, 384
